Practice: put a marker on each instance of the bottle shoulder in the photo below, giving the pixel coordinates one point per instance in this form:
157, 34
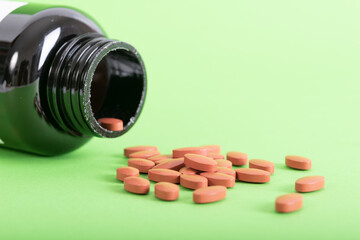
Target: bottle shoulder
30, 39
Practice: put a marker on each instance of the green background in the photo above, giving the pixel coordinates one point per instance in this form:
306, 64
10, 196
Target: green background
268, 78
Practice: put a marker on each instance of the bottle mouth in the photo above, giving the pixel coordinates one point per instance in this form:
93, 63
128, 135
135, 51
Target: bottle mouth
116, 87
92, 77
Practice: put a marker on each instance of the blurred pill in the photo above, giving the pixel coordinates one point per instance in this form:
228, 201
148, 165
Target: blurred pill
123, 172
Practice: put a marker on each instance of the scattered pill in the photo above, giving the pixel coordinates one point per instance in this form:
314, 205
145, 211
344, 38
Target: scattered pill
216, 156
193, 181
112, 124
298, 162
123, 172
200, 162
173, 164
227, 171
137, 185
289, 202
167, 191
180, 152
224, 163
216, 149
237, 158
160, 157
209, 194
144, 154
164, 175
252, 175
188, 171
142, 164
161, 161
130, 150
310, 183
262, 164
219, 179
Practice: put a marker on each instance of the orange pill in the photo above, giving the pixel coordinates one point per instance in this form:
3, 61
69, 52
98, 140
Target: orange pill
142, 164
209, 194
160, 157
144, 154
289, 202
180, 152
310, 183
219, 179
112, 124
227, 171
193, 181
161, 161
164, 175
173, 164
137, 185
252, 175
298, 162
188, 171
224, 163
262, 164
237, 158
167, 191
200, 162
216, 156
130, 150
213, 148
123, 172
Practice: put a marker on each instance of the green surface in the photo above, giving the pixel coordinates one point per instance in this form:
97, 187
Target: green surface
268, 78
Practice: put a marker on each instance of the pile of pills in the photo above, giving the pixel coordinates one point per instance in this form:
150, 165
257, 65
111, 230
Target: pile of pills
206, 171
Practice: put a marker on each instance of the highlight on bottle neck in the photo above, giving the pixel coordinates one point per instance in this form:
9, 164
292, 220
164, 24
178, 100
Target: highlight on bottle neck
92, 77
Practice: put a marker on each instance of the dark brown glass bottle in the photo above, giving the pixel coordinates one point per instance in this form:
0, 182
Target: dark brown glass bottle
58, 75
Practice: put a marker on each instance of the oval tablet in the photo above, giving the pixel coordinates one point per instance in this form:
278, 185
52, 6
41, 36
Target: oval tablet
173, 164
200, 162
252, 175
123, 172
167, 191
289, 202
216, 149
209, 194
160, 157
216, 156
224, 163
262, 164
164, 175
180, 152
142, 164
193, 181
112, 124
298, 162
129, 150
219, 179
188, 171
237, 158
137, 185
310, 183
144, 154
227, 171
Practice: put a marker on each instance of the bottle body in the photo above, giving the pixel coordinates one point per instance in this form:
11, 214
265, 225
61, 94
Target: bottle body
58, 73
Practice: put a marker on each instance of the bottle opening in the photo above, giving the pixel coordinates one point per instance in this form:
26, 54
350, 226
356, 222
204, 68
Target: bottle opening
117, 87
92, 77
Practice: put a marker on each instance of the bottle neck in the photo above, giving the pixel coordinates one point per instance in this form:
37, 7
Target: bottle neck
93, 77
